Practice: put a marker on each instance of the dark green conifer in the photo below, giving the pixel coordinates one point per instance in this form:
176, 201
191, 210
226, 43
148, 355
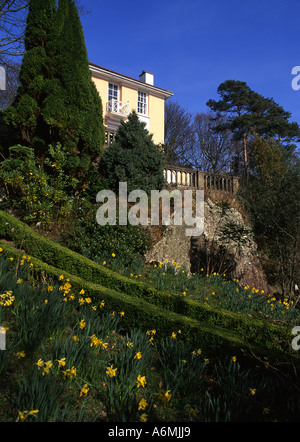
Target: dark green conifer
134, 158
57, 101
73, 106
25, 113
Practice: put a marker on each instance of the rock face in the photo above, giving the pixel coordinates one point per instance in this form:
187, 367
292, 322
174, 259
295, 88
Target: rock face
174, 245
225, 246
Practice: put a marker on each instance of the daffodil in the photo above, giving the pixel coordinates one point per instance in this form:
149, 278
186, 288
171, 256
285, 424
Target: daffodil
141, 381
82, 324
197, 352
143, 417
84, 390
39, 363
142, 404
23, 414
70, 372
166, 397
111, 371
61, 362
21, 354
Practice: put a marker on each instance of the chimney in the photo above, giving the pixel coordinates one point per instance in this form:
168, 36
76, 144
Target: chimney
147, 77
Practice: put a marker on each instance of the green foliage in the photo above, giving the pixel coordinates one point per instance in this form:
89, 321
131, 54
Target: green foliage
250, 113
34, 194
272, 199
214, 327
94, 367
24, 113
134, 158
73, 107
183, 369
44, 393
57, 102
84, 235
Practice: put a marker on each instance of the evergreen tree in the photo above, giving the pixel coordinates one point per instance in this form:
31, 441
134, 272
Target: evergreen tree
57, 102
73, 107
25, 112
134, 158
272, 199
249, 112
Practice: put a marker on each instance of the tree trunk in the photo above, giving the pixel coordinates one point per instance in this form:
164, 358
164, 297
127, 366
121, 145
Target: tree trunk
246, 172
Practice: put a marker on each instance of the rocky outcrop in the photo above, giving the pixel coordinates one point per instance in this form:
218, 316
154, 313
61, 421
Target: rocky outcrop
174, 246
225, 246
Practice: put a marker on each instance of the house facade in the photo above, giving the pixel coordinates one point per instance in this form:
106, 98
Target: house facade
121, 95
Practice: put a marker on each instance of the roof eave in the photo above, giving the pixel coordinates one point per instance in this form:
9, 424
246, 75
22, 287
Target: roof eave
129, 80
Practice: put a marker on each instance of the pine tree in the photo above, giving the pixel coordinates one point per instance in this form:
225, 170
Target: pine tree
249, 112
134, 158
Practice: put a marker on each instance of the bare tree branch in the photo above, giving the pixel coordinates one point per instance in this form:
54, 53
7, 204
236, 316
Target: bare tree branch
179, 135
13, 15
12, 26
213, 151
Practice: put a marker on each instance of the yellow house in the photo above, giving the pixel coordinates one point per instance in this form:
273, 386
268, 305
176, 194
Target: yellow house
121, 95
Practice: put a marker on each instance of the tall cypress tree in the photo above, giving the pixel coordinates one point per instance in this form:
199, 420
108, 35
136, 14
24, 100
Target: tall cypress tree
73, 107
25, 113
57, 102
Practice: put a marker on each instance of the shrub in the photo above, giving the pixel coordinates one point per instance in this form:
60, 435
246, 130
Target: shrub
134, 158
83, 235
35, 195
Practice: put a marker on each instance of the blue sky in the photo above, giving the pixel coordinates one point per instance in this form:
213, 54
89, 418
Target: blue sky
192, 46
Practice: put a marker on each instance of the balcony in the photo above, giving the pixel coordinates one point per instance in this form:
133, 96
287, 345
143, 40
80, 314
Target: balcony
117, 107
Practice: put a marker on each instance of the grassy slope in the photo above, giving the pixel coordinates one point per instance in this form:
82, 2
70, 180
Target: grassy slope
147, 307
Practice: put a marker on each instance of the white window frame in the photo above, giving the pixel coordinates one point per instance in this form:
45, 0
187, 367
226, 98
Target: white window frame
113, 92
142, 103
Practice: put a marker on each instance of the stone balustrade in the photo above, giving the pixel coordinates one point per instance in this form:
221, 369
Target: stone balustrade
185, 177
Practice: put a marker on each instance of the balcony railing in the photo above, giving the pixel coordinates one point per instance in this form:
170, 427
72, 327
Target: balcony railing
118, 107
184, 177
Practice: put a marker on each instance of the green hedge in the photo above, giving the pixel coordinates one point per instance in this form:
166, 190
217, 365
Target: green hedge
253, 331
139, 314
